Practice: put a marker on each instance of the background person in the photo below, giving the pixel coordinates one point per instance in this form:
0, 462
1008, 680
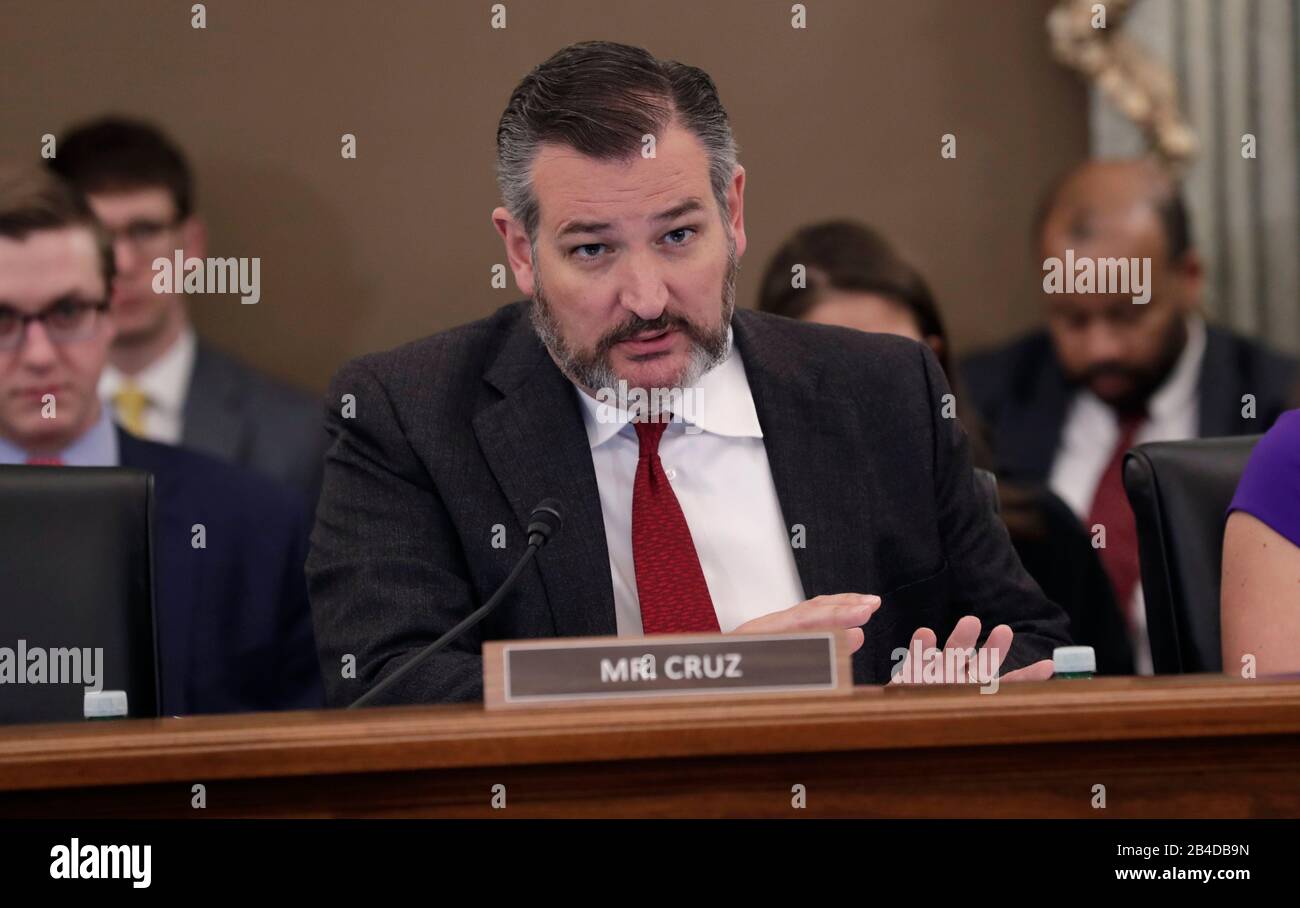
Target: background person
233, 625
164, 382
1063, 404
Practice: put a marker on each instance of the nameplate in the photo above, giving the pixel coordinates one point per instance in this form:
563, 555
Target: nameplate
589, 670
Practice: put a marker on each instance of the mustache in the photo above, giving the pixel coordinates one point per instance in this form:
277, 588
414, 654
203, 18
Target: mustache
1134, 375
637, 325
1109, 370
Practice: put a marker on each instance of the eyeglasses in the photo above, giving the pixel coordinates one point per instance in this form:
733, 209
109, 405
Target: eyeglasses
144, 234
65, 322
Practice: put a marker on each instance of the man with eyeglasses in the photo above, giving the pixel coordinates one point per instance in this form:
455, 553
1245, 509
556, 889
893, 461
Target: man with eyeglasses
163, 382
234, 629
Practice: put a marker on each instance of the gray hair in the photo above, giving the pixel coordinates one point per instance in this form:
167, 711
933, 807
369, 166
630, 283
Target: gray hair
601, 99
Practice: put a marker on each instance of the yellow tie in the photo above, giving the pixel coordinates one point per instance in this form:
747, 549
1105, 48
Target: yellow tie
130, 403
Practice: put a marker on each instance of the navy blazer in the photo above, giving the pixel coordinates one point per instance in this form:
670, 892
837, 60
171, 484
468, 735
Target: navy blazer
234, 628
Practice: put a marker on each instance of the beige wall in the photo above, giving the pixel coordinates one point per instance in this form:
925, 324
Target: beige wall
843, 119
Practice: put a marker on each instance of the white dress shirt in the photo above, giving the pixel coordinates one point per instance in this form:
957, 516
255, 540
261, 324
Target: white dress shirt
165, 382
1091, 432
720, 475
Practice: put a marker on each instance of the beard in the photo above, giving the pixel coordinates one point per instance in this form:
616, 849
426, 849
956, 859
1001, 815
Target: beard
1143, 380
592, 368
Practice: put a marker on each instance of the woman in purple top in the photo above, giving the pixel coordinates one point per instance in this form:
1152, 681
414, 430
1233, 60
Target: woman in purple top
1260, 602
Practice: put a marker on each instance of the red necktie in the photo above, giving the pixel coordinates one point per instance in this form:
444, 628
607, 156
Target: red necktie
45, 461
669, 581
1111, 509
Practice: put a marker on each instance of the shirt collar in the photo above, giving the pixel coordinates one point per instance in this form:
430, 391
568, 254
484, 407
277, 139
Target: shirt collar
720, 403
97, 446
164, 381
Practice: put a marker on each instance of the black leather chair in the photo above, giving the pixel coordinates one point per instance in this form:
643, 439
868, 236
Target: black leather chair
76, 572
1180, 492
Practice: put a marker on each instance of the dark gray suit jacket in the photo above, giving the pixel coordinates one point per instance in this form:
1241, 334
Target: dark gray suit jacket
471, 428
238, 415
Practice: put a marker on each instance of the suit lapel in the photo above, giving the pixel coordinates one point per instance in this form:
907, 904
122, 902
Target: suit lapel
813, 441
213, 422
1219, 401
536, 446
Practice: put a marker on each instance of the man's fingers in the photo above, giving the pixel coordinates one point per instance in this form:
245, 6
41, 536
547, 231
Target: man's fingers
843, 610
1038, 671
965, 637
999, 643
840, 600
856, 638
925, 637
840, 611
965, 634
922, 641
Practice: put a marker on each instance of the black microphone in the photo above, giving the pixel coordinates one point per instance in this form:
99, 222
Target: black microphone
543, 523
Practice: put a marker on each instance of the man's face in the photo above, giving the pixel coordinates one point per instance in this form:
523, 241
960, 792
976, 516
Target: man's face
144, 227
47, 268
634, 273
1120, 350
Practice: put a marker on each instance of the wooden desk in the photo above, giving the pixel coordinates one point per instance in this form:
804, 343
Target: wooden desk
1167, 747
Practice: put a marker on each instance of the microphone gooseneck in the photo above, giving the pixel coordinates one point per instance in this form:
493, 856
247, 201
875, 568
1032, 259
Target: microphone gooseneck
543, 523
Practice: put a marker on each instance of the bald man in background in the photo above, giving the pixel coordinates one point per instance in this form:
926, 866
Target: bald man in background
1064, 403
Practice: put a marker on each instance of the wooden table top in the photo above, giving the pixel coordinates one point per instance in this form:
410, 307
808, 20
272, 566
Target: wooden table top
269, 745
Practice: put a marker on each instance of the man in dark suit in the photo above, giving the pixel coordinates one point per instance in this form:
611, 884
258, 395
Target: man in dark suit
1112, 370
233, 624
163, 381
800, 471
241, 416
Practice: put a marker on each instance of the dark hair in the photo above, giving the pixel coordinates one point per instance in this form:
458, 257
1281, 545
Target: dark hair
1172, 211
1167, 202
115, 153
601, 99
32, 199
847, 255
